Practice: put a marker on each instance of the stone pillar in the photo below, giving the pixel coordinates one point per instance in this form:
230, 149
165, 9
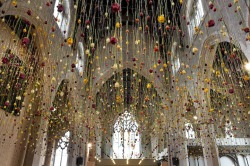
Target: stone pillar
178, 140
207, 135
154, 146
98, 142
208, 142
49, 152
40, 150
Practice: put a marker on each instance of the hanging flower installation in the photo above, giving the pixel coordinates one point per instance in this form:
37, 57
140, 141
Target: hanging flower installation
157, 68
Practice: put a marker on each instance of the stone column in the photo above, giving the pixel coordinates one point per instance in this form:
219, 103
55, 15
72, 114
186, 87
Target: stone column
154, 146
49, 152
210, 149
208, 136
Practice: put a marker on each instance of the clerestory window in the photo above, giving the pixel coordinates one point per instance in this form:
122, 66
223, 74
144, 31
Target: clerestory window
195, 13
62, 15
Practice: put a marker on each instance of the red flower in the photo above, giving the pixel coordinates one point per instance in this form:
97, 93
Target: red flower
29, 12
60, 8
231, 90
73, 65
211, 6
7, 103
22, 76
25, 41
87, 22
211, 23
246, 30
115, 7
5, 60
113, 40
156, 49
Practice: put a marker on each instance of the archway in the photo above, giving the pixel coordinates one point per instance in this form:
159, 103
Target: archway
128, 97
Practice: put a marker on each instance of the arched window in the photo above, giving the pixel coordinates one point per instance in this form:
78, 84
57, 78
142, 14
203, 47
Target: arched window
225, 160
190, 134
62, 15
13, 82
175, 60
80, 58
126, 138
61, 154
195, 13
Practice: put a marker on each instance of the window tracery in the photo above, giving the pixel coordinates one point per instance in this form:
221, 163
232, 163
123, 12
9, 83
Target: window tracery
61, 153
126, 137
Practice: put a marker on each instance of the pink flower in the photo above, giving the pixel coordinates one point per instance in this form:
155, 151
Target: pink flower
113, 40
115, 7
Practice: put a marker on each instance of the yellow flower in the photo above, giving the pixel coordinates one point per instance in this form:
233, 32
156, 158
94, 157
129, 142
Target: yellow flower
149, 85
195, 50
206, 90
196, 29
246, 78
14, 3
70, 41
161, 19
85, 81
117, 25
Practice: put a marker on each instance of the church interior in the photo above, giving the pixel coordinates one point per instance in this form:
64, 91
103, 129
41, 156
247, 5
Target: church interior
124, 82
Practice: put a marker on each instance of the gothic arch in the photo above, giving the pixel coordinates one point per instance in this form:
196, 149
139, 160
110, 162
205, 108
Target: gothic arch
159, 86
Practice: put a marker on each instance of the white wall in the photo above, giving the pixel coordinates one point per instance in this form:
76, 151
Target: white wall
226, 161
